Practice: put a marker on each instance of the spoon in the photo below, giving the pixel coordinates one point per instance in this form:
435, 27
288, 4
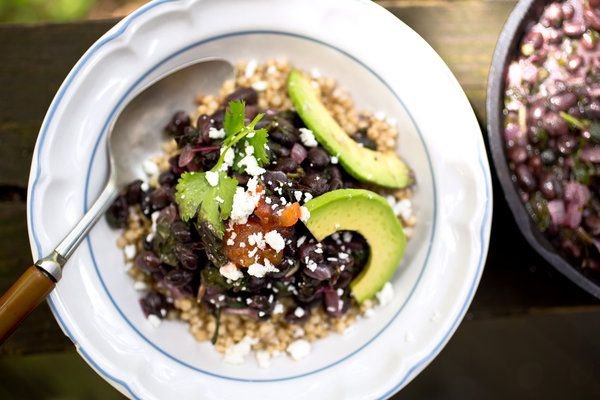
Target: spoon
135, 135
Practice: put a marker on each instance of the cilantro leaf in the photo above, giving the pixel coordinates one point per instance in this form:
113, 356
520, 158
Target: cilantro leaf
195, 195
259, 142
234, 117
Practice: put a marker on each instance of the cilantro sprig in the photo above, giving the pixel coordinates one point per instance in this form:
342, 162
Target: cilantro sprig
209, 195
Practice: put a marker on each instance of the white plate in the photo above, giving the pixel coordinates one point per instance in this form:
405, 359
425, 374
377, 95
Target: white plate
382, 62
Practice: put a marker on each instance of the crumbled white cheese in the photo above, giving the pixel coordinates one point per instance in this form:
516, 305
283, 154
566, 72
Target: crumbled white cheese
150, 168
237, 353
219, 199
340, 292
250, 68
257, 239
212, 177
403, 208
311, 265
263, 358
244, 203
253, 252
334, 160
129, 251
275, 240
278, 309
140, 286
307, 196
299, 312
300, 241
260, 86
299, 349
380, 115
230, 242
308, 137
343, 256
304, 214
230, 271
154, 320
298, 195
315, 73
216, 133
144, 186
260, 270
386, 294
252, 168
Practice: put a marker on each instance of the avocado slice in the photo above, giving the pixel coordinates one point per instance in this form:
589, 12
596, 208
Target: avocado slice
384, 169
370, 215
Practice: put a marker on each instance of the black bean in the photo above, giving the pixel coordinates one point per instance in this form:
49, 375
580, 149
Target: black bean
567, 144
167, 178
186, 257
525, 178
535, 164
321, 272
248, 95
279, 150
548, 156
117, 213
178, 277
592, 110
571, 247
592, 223
315, 183
148, 262
260, 302
536, 112
134, 192
254, 284
549, 186
362, 138
318, 158
554, 124
178, 122
203, 126
161, 197
563, 101
181, 232
517, 154
152, 304
344, 279
283, 132
286, 165
336, 184
250, 113
218, 117
309, 249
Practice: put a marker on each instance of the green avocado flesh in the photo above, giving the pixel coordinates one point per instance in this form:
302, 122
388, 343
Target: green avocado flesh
370, 215
384, 169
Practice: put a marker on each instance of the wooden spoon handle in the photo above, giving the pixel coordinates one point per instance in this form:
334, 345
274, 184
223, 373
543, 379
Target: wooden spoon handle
22, 298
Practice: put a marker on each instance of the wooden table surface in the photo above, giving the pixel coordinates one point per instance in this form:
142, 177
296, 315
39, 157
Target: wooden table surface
35, 60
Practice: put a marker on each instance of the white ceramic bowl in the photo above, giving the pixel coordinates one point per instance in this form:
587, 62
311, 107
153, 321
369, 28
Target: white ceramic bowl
387, 67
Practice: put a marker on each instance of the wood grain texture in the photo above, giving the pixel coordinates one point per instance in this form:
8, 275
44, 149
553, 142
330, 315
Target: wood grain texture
36, 59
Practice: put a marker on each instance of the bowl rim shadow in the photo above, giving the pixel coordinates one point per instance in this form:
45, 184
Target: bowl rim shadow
525, 12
